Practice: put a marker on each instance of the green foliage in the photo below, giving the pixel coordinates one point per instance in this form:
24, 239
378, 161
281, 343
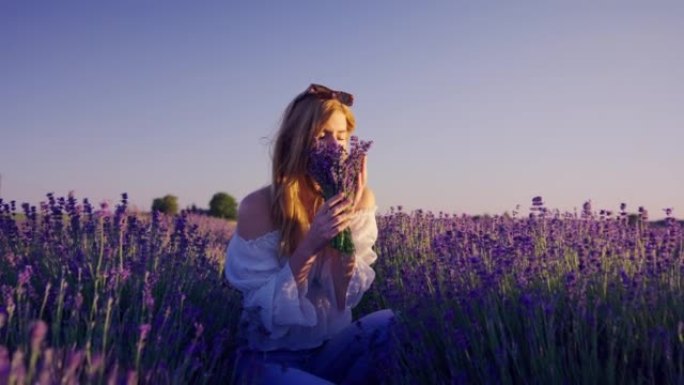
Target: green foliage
223, 205
167, 205
193, 209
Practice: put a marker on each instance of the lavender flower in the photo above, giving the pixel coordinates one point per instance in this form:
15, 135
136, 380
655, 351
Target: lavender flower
586, 209
501, 291
537, 201
336, 171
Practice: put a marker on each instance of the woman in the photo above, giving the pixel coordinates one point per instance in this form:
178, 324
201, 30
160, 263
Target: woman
298, 292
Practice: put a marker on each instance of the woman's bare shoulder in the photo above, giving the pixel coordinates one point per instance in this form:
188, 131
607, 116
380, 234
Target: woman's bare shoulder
254, 214
367, 200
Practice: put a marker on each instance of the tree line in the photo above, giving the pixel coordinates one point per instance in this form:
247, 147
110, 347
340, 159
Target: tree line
221, 205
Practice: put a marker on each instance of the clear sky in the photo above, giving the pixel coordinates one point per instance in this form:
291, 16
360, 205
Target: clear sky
474, 106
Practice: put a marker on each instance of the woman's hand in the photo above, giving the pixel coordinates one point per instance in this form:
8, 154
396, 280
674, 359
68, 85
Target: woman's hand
361, 182
330, 220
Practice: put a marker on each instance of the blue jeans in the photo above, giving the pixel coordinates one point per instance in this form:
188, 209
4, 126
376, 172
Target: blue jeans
350, 357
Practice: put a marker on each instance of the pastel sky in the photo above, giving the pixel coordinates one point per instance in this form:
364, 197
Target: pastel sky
474, 106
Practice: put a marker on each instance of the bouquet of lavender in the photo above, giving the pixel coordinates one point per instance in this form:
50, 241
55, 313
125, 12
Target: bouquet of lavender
337, 171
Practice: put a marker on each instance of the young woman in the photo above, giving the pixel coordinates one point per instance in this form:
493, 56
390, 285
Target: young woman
297, 291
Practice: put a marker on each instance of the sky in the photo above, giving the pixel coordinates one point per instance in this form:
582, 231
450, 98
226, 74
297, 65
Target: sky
473, 106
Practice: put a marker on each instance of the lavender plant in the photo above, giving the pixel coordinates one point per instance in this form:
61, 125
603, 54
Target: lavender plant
95, 295
112, 296
336, 170
553, 298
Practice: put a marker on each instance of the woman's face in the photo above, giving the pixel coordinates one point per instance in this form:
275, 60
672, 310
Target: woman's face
335, 130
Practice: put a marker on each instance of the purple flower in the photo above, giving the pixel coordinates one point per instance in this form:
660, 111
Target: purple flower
537, 201
144, 331
3, 316
148, 298
336, 170
39, 330
25, 275
586, 209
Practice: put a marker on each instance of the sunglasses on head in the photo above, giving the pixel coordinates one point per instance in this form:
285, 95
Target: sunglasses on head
326, 93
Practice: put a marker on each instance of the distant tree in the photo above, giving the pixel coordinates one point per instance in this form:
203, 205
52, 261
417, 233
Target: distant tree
196, 210
167, 205
223, 205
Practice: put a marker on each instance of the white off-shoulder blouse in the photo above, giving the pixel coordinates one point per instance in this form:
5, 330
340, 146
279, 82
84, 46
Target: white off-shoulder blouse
279, 315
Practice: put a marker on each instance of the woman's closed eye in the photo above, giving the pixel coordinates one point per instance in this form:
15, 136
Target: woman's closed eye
339, 138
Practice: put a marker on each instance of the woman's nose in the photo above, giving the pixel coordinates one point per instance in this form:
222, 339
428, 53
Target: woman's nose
328, 139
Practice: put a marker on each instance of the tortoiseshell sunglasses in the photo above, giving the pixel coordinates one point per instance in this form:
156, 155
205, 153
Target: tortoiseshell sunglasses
324, 92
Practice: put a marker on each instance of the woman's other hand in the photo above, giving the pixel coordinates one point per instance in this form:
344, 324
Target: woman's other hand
361, 182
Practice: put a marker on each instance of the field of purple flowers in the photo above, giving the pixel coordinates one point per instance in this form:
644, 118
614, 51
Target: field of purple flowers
99, 295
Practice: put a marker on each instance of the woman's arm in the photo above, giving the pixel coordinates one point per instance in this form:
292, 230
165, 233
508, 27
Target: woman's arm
252, 264
342, 269
343, 266
253, 267
301, 262
254, 221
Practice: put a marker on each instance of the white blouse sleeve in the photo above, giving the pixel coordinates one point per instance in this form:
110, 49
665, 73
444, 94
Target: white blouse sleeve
364, 231
254, 268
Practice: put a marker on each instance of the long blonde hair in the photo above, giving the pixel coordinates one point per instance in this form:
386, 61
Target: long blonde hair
302, 121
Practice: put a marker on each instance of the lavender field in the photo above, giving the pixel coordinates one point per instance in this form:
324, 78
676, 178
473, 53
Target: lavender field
105, 295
